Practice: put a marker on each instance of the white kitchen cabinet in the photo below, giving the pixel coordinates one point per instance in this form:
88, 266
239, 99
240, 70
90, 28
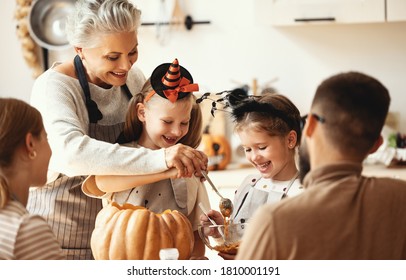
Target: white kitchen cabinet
299, 12
395, 10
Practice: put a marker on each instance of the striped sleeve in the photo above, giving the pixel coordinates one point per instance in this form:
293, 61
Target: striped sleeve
36, 241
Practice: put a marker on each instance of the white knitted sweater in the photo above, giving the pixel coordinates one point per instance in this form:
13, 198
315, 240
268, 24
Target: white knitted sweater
61, 101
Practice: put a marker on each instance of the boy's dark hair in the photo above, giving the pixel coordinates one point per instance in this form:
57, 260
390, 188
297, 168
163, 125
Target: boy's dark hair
354, 106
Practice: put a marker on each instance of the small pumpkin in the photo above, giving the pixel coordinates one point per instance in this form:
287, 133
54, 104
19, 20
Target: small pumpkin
218, 150
131, 232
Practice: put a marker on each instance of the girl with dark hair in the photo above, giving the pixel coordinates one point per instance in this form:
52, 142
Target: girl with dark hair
269, 127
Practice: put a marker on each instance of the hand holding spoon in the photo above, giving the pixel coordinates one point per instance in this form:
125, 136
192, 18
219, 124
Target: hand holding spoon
225, 206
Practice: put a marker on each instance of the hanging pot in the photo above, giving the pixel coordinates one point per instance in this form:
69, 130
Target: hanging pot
46, 24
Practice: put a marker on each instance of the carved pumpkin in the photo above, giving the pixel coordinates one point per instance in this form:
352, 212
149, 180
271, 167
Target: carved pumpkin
131, 232
218, 150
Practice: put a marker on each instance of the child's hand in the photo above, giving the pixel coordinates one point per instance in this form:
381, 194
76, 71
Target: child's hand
199, 258
214, 215
185, 159
172, 173
230, 255
217, 218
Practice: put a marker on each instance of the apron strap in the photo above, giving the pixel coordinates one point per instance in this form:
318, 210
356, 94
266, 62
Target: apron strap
121, 138
127, 91
92, 109
242, 203
290, 184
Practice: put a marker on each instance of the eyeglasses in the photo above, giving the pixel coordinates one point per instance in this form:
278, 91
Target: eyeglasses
304, 118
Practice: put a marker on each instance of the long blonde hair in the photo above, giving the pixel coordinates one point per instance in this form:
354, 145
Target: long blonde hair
17, 118
133, 126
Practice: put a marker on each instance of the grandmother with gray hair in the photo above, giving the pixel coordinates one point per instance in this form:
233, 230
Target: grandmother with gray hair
83, 102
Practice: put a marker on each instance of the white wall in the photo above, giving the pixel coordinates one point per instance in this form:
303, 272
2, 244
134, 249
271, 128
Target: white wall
16, 79
237, 47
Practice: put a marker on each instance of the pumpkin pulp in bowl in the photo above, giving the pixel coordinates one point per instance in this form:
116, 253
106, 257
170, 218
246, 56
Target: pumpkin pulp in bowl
222, 238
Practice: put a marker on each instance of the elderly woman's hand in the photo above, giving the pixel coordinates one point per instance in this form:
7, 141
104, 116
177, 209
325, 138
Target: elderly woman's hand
186, 160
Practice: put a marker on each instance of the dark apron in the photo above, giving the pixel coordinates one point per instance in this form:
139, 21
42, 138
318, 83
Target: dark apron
62, 203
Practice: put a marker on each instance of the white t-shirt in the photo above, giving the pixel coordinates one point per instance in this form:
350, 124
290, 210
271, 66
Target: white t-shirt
61, 101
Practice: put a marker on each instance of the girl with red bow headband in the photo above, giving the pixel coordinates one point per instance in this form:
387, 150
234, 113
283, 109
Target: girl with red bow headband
163, 114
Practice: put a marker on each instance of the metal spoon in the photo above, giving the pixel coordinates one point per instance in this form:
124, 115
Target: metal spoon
225, 206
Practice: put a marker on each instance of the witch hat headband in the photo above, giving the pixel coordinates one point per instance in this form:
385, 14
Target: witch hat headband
171, 81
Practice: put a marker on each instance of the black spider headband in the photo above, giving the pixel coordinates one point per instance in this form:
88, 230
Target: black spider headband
238, 103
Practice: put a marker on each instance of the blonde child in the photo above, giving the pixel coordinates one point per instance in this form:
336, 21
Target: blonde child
24, 159
269, 127
163, 114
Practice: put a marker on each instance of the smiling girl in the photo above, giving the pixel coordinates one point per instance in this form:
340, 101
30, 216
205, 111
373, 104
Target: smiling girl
269, 130
163, 114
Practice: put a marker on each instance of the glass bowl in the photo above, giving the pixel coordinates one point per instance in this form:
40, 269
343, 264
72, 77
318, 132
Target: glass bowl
221, 238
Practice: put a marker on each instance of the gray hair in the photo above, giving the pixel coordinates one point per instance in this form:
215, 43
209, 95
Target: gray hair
92, 18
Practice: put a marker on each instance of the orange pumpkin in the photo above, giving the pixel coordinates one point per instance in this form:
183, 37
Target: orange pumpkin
218, 150
131, 232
